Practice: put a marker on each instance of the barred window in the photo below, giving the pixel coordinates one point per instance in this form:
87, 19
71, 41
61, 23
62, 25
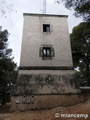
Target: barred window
47, 52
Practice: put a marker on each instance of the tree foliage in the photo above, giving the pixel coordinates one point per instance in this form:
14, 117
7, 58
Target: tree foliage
80, 45
81, 8
80, 37
8, 73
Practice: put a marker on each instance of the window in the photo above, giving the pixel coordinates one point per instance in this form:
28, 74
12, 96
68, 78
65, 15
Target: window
46, 28
47, 52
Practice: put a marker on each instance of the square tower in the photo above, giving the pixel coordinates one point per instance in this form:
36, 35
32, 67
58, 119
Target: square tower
46, 74
46, 42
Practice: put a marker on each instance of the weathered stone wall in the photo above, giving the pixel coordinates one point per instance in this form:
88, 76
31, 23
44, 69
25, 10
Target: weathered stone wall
39, 89
43, 101
46, 82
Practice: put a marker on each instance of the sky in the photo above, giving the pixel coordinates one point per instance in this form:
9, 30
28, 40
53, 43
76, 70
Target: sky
13, 21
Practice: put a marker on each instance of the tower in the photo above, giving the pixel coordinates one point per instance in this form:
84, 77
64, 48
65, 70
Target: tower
46, 74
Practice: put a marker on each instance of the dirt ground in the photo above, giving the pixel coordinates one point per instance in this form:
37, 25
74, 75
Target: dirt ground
51, 114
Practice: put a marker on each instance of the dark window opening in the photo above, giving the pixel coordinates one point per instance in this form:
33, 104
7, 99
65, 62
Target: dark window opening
46, 28
46, 52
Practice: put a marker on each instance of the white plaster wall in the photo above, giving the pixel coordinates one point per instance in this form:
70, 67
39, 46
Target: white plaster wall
34, 37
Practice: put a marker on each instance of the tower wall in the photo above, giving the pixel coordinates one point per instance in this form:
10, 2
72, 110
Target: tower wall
34, 38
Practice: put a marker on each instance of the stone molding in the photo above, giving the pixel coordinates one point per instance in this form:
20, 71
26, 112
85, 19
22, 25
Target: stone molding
44, 68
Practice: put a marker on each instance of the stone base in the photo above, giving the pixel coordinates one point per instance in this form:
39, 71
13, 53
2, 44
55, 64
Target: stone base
46, 82
18, 103
39, 89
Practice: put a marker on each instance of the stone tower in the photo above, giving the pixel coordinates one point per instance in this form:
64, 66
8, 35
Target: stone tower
45, 75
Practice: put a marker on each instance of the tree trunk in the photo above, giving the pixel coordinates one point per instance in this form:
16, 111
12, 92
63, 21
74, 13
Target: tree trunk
4, 96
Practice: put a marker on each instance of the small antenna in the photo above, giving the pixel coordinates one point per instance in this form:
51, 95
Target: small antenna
44, 6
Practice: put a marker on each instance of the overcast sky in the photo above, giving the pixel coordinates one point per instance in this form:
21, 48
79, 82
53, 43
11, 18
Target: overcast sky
14, 20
